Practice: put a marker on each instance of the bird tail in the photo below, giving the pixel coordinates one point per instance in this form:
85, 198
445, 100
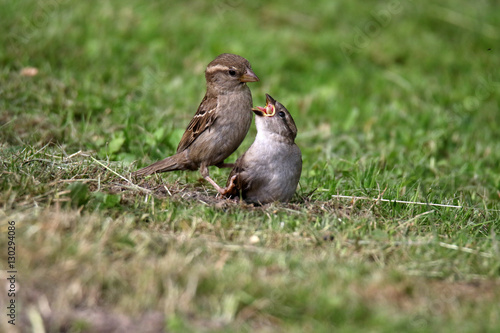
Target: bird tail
167, 164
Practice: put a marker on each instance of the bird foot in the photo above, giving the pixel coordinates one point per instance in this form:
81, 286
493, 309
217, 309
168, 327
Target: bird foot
231, 185
228, 189
222, 191
214, 184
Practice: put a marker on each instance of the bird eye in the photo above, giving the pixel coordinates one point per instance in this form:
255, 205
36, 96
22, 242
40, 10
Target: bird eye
281, 114
232, 72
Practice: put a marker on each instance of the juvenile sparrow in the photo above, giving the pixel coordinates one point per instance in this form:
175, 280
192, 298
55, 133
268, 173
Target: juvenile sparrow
221, 122
270, 169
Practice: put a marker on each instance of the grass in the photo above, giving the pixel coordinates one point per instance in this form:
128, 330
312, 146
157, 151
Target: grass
394, 101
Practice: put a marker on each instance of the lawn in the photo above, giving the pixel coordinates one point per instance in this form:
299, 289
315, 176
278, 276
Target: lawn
394, 226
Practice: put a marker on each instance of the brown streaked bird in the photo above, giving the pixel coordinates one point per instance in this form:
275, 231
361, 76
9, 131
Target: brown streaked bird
221, 122
270, 169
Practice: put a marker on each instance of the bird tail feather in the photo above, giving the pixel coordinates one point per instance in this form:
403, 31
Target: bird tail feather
167, 164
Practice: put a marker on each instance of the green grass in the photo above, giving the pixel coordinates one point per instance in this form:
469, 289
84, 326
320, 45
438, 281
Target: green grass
404, 109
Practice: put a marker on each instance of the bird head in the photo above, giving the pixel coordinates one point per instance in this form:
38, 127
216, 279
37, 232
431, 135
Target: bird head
228, 71
275, 118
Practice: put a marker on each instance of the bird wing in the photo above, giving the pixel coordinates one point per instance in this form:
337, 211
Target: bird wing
203, 119
241, 182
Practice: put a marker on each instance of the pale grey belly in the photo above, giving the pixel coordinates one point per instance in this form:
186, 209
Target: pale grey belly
275, 182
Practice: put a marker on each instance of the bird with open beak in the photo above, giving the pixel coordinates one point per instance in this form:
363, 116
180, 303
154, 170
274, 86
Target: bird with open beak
270, 169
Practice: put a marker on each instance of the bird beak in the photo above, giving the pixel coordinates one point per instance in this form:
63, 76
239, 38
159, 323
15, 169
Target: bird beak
267, 111
249, 76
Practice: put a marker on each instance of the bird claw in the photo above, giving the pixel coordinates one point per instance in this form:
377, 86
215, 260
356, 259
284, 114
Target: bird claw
232, 185
227, 189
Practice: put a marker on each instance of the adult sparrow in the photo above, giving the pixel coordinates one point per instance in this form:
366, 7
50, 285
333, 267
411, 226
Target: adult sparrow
221, 122
270, 169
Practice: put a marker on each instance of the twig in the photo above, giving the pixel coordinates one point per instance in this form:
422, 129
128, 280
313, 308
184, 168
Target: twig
352, 197
132, 185
397, 201
112, 171
166, 188
75, 154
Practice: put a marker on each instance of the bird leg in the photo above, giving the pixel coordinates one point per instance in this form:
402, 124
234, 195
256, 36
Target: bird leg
223, 191
205, 174
229, 188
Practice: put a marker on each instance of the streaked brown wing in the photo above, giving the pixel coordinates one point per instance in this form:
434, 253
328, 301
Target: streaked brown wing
203, 119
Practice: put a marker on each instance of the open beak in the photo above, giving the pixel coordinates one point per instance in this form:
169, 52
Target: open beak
249, 76
269, 110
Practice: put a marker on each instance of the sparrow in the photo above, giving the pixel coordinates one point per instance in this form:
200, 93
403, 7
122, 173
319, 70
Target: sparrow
270, 169
220, 123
